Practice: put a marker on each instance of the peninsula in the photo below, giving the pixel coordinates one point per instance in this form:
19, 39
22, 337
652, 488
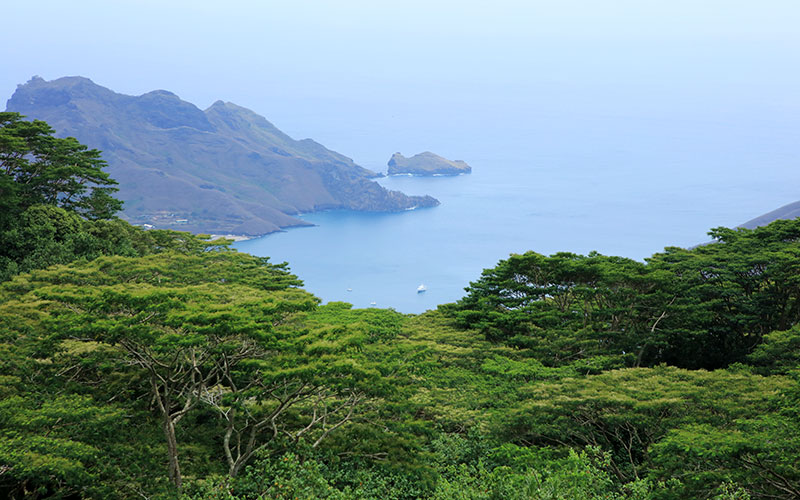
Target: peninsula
222, 170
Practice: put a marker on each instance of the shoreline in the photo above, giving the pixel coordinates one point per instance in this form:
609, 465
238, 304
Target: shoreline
437, 174
234, 237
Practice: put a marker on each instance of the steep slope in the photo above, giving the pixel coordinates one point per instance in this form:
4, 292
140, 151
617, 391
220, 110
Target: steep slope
790, 211
222, 170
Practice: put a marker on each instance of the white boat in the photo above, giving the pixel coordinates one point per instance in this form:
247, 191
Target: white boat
349, 289
421, 288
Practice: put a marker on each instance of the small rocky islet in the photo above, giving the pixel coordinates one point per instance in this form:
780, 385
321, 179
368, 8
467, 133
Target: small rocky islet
427, 164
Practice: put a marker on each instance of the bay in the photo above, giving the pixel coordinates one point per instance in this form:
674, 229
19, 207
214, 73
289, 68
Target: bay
626, 190
623, 168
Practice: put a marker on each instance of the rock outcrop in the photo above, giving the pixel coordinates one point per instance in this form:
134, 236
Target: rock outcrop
426, 163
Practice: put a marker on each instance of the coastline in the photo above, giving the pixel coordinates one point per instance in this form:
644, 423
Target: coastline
234, 237
417, 174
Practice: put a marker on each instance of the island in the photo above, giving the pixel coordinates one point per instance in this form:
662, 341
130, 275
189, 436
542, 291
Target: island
223, 170
426, 163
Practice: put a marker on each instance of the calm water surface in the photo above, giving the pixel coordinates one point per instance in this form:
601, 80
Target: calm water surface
625, 189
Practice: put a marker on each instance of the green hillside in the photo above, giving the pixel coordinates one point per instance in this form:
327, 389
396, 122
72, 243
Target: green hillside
157, 364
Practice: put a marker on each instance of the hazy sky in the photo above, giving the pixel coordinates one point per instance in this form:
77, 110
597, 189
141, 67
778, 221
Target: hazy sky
304, 64
205, 50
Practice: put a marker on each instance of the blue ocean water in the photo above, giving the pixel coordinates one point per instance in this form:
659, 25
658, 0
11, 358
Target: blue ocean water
621, 187
623, 163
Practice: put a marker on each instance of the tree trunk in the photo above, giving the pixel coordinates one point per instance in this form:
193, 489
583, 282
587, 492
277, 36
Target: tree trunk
235, 464
234, 471
172, 450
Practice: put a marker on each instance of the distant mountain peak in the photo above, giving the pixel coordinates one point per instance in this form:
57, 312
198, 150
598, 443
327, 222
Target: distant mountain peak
61, 82
161, 93
34, 79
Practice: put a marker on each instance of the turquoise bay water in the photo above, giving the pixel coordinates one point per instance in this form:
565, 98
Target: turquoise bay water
623, 190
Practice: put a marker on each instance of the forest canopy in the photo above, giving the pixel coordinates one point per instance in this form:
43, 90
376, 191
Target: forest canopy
158, 364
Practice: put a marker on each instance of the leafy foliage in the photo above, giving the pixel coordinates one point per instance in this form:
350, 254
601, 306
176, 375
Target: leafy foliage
37, 168
627, 411
760, 450
217, 336
701, 308
156, 364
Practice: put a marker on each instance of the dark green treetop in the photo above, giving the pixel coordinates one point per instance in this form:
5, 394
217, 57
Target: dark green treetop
38, 168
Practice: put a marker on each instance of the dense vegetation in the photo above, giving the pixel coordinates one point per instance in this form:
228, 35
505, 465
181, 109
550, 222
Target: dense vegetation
154, 364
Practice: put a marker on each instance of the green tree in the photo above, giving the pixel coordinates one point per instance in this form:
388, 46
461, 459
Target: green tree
730, 293
37, 168
705, 307
567, 307
209, 335
760, 451
627, 411
50, 448
56, 204
779, 353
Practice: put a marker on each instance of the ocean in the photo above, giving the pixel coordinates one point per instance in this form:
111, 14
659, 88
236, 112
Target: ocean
617, 184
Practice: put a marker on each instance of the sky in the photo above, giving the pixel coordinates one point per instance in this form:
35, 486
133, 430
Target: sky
368, 77
345, 49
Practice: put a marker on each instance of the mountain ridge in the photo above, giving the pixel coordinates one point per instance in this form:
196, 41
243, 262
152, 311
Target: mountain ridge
788, 211
223, 170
